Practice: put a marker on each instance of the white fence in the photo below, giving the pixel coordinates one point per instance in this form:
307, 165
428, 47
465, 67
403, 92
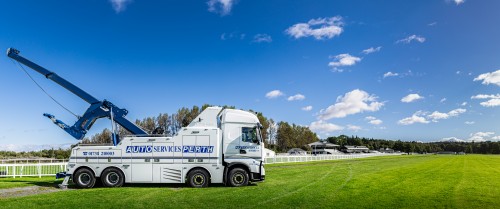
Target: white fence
308, 158
31, 169
46, 168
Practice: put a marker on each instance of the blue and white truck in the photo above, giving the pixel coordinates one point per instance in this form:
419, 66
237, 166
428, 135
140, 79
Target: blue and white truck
218, 146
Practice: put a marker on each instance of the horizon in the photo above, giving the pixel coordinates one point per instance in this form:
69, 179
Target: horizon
378, 70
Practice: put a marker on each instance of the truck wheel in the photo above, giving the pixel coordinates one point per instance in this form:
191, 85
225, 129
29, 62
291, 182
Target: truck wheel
198, 178
84, 178
112, 177
238, 177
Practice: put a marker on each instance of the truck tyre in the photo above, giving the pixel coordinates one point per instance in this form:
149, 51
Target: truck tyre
112, 177
84, 178
238, 177
198, 178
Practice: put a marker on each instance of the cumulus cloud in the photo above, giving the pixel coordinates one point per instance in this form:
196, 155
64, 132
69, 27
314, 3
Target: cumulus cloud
411, 38
374, 121
274, 94
451, 139
442, 100
458, 2
424, 117
307, 108
390, 74
353, 102
120, 5
259, 38
482, 136
489, 78
320, 28
342, 60
417, 117
470, 122
222, 7
411, 98
491, 103
296, 97
494, 100
436, 115
353, 128
372, 50
324, 127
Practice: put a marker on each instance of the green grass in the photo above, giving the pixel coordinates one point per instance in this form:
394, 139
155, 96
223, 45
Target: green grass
431, 181
47, 181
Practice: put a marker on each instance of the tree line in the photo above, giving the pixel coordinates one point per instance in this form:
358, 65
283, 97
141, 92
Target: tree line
486, 147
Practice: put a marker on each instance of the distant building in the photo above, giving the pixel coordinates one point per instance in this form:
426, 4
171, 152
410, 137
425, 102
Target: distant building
297, 151
386, 150
268, 153
323, 147
355, 149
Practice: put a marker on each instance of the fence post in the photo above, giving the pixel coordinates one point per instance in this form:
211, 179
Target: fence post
14, 170
39, 169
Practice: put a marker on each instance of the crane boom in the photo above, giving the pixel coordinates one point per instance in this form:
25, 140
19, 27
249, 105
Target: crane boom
98, 109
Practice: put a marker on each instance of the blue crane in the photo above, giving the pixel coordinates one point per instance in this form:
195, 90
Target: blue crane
98, 109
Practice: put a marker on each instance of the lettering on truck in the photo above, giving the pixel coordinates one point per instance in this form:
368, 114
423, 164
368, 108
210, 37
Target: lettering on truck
183, 149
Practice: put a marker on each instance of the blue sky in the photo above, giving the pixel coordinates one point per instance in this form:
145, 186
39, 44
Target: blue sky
410, 70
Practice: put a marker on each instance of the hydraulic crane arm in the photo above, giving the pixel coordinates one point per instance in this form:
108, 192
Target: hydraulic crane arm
98, 109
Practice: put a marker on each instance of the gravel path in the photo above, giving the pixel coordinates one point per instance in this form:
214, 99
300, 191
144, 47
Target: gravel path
26, 191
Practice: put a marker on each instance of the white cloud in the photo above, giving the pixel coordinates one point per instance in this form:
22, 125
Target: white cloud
442, 100
432, 24
470, 122
232, 35
307, 108
458, 2
494, 100
411, 98
481, 136
259, 38
464, 103
374, 121
324, 127
390, 74
435, 116
491, 103
486, 96
120, 5
353, 102
411, 38
222, 7
342, 60
320, 28
296, 97
353, 128
415, 118
274, 94
372, 50
489, 78
451, 139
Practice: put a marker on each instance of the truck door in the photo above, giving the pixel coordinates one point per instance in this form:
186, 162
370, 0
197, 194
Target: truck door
141, 162
250, 142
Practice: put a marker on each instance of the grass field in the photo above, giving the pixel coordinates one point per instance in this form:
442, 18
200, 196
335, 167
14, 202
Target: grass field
431, 181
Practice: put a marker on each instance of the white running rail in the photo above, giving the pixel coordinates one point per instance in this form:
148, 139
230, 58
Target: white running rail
39, 169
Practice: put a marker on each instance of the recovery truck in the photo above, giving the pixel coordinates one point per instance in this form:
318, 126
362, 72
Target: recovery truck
218, 146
